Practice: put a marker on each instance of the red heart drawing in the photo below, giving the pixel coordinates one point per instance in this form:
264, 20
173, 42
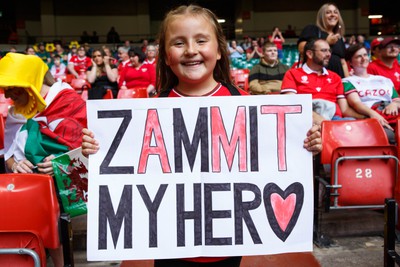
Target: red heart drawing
283, 207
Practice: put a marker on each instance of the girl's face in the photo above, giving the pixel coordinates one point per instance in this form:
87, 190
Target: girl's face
192, 52
360, 59
97, 58
331, 16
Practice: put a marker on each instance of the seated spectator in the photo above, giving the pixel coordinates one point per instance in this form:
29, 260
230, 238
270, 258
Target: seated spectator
361, 40
13, 49
79, 63
109, 53
127, 44
30, 50
278, 40
58, 70
72, 52
235, 51
255, 51
151, 55
375, 48
61, 52
387, 64
123, 59
371, 95
300, 50
46, 119
102, 75
325, 86
246, 44
138, 74
266, 77
145, 43
43, 54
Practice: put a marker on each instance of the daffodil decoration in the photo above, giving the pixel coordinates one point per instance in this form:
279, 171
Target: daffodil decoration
74, 43
50, 47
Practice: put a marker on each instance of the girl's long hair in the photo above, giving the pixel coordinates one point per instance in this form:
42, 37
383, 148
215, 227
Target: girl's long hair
166, 79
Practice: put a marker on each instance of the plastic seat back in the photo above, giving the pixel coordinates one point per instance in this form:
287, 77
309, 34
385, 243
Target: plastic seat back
80, 84
31, 205
108, 94
21, 249
242, 80
133, 93
356, 133
365, 176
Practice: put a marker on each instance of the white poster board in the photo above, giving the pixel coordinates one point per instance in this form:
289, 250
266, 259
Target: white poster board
199, 176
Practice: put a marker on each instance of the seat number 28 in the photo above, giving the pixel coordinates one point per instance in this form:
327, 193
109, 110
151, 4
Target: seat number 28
363, 173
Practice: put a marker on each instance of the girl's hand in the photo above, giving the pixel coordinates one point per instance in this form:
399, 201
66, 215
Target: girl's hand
313, 142
89, 144
46, 167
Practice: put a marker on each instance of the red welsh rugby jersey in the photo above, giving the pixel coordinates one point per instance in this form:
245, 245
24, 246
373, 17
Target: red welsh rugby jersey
80, 64
327, 86
377, 67
219, 90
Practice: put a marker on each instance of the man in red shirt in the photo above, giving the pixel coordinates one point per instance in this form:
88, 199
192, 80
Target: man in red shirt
79, 63
387, 65
329, 102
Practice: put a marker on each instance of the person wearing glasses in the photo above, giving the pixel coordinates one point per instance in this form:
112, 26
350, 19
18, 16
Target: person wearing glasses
386, 64
329, 26
325, 86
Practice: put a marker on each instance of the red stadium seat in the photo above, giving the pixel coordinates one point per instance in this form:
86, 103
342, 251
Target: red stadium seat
80, 84
29, 220
108, 95
133, 93
364, 166
364, 169
242, 80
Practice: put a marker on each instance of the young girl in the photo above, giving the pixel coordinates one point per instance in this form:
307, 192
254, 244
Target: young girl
193, 61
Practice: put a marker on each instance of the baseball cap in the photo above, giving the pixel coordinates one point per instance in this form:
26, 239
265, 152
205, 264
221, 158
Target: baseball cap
24, 71
376, 42
389, 40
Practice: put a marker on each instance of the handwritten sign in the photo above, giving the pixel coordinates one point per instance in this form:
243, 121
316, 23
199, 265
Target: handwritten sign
199, 176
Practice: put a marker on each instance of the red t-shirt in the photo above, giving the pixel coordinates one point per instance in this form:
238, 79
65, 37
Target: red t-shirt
80, 64
377, 67
134, 78
327, 86
219, 90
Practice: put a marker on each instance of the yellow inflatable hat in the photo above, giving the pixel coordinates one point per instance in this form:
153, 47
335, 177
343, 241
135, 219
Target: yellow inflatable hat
24, 71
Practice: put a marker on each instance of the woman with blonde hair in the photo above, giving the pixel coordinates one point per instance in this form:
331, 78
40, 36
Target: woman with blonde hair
329, 26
